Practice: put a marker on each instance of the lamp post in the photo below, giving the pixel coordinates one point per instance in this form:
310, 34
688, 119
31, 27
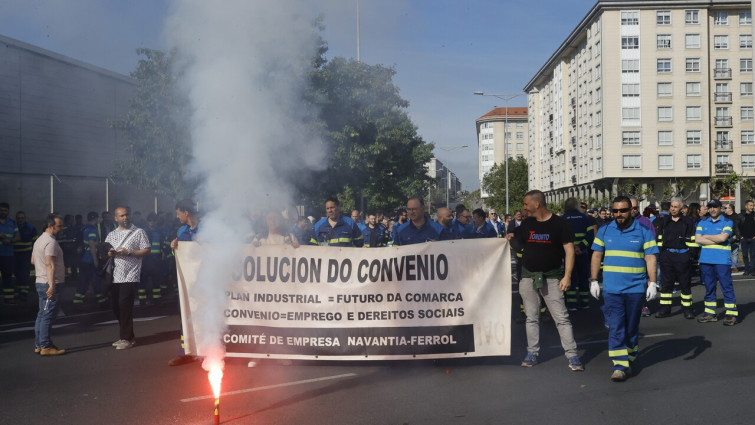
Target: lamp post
448, 173
505, 98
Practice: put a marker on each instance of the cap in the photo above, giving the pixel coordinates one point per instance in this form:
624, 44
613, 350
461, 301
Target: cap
714, 203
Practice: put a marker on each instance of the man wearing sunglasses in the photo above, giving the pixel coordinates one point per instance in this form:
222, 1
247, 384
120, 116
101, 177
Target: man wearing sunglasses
628, 251
713, 235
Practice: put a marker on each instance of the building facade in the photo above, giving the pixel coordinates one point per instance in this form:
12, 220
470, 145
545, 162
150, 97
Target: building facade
445, 178
654, 95
501, 133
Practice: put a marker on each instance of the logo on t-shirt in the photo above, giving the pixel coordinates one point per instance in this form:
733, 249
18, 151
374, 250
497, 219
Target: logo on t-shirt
539, 237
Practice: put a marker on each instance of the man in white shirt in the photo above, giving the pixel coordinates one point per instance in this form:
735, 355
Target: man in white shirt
50, 272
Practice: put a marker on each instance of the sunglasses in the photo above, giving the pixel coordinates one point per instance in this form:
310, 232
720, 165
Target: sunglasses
619, 210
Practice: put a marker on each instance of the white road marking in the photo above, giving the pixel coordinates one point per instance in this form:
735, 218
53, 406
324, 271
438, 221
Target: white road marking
31, 328
604, 341
268, 387
136, 319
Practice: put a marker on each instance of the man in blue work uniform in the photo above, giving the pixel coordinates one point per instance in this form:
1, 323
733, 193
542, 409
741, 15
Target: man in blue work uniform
578, 295
373, 233
675, 236
22, 254
463, 223
419, 228
713, 235
628, 251
448, 231
482, 228
335, 229
153, 270
497, 225
89, 265
8, 236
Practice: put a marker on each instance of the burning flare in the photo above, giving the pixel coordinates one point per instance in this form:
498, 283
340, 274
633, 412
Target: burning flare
215, 376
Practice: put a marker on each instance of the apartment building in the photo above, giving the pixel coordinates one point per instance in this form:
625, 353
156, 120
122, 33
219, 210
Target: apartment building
501, 132
658, 94
446, 179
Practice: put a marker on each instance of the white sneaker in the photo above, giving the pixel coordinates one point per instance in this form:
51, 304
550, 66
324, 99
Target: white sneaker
115, 343
123, 344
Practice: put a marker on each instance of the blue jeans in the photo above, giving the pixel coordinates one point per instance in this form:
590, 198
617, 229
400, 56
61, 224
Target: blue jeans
747, 246
45, 316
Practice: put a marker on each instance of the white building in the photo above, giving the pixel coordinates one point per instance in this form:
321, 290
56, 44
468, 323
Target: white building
501, 133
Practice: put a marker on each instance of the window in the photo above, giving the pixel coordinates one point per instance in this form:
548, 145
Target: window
693, 89
663, 41
599, 164
694, 137
597, 49
692, 41
631, 162
597, 72
665, 138
691, 17
722, 112
721, 17
720, 42
664, 65
597, 95
722, 137
630, 138
519, 135
694, 162
665, 162
630, 90
723, 159
630, 65
630, 43
745, 113
519, 125
630, 113
745, 17
745, 41
598, 118
598, 141
665, 113
630, 18
745, 65
694, 113
692, 64
663, 17
520, 146
722, 64
748, 137
748, 161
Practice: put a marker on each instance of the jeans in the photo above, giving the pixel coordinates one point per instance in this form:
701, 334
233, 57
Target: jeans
554, 299
734, 255
747, 246
46, 315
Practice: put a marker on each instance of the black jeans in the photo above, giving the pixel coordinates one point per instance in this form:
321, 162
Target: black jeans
122, 296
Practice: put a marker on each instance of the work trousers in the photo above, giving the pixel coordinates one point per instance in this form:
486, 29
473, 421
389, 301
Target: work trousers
622, 313
711, 275
21, 270
675, 267
6, 270
123, 295
747, 246
554, 299
579, 292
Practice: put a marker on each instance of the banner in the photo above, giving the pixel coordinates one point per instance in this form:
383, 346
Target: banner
432, 300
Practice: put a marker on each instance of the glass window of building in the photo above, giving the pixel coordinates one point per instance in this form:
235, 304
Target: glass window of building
630, 113
665, 113
745, 65
694, 113
721, 17
631, 162
748, 137
630, 43
692, 64
748, 161
693, 88
745, 41
665, 162
745, 113
694, 137
663, 17
694, 161
630, 90
663, 65
665, 138
720, 42
745, 17
692, 17
630, 65
692, 41
629, 138
663, 41
630, 17
664, 89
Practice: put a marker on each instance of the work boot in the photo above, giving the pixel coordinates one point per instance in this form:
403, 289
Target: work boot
663, 313
51, 351
689, 313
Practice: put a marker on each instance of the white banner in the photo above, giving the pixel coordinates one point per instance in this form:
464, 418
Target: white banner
432, 300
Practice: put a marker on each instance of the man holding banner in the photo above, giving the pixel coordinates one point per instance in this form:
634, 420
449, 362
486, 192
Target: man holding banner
418, 229
546, 240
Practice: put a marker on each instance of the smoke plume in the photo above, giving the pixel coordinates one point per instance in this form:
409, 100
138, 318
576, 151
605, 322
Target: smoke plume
244, 68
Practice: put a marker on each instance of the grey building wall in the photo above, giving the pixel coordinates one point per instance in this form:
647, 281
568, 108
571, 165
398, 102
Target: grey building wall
56, 144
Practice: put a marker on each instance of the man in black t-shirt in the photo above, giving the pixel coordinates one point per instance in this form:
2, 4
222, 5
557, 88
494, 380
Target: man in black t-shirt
546, 239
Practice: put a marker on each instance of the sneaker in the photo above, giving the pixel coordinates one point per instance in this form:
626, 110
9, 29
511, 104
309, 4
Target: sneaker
660, 314
734, 270
529, 360
115, 343
181, 360
730, 320
645, 312
124, 345
689, 313
51, 351
575, 364
618, 376
707, 318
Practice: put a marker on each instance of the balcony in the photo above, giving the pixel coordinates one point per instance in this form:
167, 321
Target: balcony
724, 145
722, 73
574, 141
723, 122
724, 168
573, 121
574, 179
722, 97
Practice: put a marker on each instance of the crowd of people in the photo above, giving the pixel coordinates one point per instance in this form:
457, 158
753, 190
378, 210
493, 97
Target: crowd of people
560, 259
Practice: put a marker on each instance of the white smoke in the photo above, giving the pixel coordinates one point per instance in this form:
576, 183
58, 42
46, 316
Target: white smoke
244, 68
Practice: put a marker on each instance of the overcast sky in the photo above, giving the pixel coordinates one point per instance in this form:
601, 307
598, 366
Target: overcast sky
442, 50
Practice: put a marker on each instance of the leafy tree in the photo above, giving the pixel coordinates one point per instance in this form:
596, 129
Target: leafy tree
494, 182
156, 127
373, 147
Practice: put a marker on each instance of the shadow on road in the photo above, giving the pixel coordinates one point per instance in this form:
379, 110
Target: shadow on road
670, 349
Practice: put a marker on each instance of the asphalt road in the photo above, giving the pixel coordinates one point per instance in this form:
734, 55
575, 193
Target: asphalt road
686, 373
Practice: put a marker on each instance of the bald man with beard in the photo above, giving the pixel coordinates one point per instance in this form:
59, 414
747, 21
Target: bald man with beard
446, 221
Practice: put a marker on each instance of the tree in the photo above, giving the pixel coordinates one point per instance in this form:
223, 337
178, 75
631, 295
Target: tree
494, 182
156, 126
374, 149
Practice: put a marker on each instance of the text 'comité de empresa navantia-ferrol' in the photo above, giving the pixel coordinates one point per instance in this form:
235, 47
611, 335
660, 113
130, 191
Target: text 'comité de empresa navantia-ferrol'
313, 270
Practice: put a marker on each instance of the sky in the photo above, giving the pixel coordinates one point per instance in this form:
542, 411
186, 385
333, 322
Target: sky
442, 50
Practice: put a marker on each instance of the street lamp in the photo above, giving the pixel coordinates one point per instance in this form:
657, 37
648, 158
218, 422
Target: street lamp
448, 173
505, 98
